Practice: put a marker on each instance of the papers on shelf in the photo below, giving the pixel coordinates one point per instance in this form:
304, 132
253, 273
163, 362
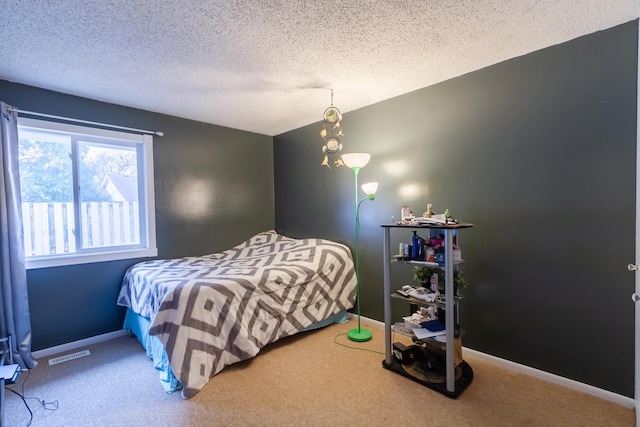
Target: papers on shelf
422, 333
423, 294
434, 219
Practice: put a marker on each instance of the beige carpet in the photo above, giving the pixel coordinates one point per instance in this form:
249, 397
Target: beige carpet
305, 380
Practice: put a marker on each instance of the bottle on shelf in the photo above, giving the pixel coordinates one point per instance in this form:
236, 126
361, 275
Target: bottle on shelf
417, 244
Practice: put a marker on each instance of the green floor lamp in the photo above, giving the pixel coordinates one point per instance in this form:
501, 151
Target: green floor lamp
357, 161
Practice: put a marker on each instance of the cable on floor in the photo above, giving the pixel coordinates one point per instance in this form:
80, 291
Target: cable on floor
49, 406
352, 347
25, 404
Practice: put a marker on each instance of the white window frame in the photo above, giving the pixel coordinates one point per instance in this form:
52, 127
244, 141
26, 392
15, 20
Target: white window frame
147, 246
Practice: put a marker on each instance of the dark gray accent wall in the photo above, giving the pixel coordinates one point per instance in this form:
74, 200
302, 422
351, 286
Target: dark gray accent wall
539, 153
213, 190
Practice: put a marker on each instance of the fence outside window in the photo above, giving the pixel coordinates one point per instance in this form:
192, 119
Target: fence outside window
49, 227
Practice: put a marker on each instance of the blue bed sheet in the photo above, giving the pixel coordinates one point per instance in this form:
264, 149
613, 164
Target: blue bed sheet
139, 326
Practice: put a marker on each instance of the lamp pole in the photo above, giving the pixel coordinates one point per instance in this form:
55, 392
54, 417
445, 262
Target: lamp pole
356, 161
358, 334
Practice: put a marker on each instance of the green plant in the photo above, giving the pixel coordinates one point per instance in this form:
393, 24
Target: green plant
423, 273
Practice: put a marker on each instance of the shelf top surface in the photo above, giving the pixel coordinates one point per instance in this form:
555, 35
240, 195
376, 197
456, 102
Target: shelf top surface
402, 259
458, 225
421, 301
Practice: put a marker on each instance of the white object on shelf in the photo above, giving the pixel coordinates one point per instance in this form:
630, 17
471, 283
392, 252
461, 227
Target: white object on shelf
423, 333
414, 320
405, 212
423, 294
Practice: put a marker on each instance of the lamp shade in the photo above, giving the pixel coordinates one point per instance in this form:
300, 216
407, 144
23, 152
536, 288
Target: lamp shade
370, 188
356, 160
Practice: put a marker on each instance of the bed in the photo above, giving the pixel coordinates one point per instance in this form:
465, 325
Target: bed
196, 315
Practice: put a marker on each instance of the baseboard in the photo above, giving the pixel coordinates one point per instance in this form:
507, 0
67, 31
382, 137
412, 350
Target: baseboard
77, 344
618, 399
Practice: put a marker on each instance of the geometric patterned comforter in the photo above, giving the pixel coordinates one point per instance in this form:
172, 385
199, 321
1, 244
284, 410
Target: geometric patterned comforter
214, 310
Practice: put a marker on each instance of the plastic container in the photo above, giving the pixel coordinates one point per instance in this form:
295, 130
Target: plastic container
434, 282
404, 212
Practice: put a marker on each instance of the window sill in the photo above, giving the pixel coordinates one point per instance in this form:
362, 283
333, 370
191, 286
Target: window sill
62, 260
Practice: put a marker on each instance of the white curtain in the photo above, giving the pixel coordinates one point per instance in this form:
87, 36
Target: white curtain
15, 320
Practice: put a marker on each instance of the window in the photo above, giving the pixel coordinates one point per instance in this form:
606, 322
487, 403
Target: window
87, 194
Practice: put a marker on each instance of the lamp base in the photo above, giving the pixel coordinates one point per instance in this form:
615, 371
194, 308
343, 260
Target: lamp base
359, 335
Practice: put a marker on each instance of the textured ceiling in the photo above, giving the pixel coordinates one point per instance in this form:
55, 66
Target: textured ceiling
266, 66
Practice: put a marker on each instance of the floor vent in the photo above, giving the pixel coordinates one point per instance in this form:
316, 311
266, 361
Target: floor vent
68, 357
